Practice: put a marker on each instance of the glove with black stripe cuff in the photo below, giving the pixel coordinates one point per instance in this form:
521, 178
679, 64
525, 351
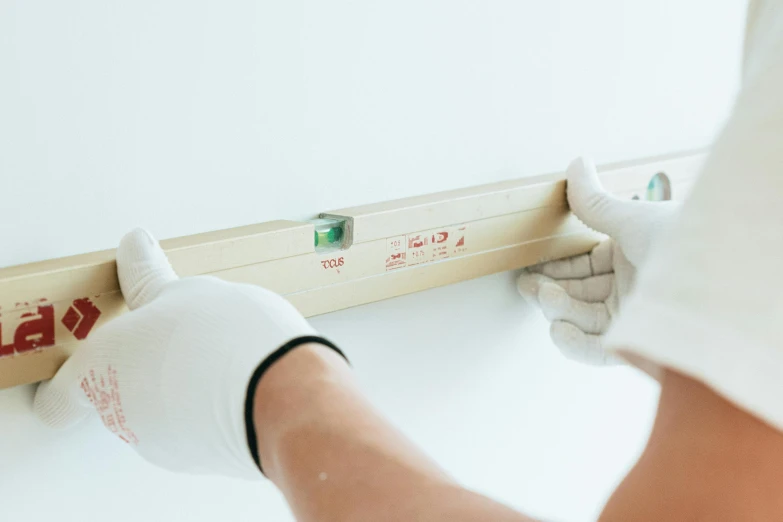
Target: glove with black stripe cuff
175, 377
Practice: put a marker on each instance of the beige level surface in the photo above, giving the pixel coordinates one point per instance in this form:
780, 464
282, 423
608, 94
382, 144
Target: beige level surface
398, 247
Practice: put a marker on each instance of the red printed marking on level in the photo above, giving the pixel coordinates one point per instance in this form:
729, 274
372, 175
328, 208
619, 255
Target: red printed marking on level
437, 244
396, 252
335, 262
440, 247
459, 245
81, 317
440, 237
395, 261
418, 248
35, 329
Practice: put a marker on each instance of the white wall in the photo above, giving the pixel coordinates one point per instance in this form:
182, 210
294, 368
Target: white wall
186, 116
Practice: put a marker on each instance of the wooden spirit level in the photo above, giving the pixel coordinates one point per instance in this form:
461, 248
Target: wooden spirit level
347, 257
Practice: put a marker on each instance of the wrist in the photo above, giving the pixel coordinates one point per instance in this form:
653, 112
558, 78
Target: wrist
291, 378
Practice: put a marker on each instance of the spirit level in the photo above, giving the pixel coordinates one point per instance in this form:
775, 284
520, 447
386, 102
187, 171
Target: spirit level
345, 258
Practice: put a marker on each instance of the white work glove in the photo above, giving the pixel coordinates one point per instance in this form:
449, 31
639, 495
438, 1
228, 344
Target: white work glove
581, 295
172, 376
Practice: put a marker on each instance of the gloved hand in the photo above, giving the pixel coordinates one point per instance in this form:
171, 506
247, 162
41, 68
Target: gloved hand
582, 294
172, 376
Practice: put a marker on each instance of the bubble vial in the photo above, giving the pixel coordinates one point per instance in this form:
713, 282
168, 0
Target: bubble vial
329, 234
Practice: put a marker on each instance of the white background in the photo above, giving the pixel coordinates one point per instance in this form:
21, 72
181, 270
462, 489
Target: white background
187, 116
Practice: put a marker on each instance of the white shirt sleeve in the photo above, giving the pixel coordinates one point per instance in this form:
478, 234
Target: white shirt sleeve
709, 301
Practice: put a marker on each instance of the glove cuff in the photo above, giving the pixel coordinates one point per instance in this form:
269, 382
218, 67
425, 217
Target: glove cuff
250, 428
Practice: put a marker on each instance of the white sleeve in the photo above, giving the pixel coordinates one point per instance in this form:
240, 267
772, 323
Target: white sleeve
709, 301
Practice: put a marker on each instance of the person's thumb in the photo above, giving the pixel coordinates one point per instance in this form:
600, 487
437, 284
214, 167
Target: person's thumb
60, 402
587, 198
142, 267
631, 223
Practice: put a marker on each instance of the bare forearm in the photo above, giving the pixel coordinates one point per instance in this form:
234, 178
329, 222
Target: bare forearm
706, 460
336, 459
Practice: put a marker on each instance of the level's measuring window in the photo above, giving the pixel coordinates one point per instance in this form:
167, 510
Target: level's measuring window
659, 188
329, 234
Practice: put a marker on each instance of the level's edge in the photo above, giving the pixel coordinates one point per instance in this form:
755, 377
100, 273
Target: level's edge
397, 217
501, 186
94, 273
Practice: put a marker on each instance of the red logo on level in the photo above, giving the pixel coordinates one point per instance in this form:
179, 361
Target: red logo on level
417, 241
35, 328
440, 237
333, 263
36, 331
81, 317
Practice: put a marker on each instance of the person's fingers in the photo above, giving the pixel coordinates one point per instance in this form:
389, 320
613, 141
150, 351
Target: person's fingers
598, 261
60, 402
579, 346
595, 289
602, 257
142, 267
575, 267
631, 223
591, 289
528, 284
592, 204
587, 198
557, 305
